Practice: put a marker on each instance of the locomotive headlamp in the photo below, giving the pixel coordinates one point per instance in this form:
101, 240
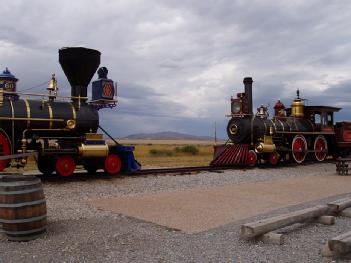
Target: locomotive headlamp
233, 129
71, 124
236, 107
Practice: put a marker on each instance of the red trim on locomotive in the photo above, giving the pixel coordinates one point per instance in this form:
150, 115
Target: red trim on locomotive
297, 133
113, 164
5, 150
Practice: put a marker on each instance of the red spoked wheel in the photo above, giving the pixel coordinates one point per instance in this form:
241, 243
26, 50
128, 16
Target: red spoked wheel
113, 164
65, 165
273, 158
4, 150
251, 158
299, 148
320, 148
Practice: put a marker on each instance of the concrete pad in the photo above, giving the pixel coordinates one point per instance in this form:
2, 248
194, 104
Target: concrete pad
200, 209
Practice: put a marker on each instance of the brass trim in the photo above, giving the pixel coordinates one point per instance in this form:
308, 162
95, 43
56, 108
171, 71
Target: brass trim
93, 150
297, 108
44, 95
50, 116
30, 119
13, 126
70, 124
74, 113
300, 132
267, 146
233, 129
28, 111
1, 97
275, 127
93, 136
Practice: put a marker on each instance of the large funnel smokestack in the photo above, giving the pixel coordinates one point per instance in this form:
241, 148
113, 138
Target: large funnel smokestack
248, 92
79, 65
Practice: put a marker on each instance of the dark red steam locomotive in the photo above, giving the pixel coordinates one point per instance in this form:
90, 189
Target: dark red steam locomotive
62, 132
297, 133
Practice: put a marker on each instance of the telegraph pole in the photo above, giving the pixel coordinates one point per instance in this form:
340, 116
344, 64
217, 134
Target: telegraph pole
215, 133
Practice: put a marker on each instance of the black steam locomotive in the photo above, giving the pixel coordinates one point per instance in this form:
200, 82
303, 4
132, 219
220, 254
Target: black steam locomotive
294, 133
61, 131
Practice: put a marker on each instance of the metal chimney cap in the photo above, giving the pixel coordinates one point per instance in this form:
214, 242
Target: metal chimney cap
79, 64
247, 80
81, 48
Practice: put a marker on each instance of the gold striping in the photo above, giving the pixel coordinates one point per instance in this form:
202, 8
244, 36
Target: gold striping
305, 132
50, 116
44, 95
28, 112
74, 113
30, 119
13, 126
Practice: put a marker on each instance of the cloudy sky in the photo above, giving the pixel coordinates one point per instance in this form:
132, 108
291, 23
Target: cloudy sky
178, 62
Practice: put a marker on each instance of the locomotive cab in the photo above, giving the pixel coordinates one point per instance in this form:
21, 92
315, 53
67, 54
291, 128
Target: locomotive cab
322, 117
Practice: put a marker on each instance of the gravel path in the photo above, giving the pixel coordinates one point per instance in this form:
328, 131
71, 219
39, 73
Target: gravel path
78, 232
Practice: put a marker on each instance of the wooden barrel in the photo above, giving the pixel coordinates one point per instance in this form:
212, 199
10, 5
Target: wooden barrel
22, 206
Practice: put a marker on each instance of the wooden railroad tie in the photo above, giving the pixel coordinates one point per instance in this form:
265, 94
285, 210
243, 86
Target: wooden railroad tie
255, 229
339, 205
339, 246
346, 212
323, 214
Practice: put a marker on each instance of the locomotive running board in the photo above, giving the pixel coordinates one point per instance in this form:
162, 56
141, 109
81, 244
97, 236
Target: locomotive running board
19, 155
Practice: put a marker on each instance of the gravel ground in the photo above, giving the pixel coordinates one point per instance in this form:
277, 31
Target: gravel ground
78, 232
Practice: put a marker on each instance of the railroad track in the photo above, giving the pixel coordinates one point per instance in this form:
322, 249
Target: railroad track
82, 175
180, 170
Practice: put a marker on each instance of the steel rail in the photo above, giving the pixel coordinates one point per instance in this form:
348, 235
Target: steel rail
180, 170
81, 173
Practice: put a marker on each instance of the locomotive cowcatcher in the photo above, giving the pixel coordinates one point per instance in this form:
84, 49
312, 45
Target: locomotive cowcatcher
295, 134
61, 131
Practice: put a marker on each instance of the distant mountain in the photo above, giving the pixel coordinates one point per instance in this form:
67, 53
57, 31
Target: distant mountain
167, 135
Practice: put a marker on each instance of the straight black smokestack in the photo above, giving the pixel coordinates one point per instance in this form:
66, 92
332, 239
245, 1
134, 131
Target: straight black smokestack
79, 65
248, 92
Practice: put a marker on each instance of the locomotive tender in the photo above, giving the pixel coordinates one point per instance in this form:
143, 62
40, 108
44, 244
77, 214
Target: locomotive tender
294, 133
62, 131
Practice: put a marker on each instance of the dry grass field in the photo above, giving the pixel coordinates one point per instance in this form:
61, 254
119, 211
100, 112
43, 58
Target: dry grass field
159, 153
171, 153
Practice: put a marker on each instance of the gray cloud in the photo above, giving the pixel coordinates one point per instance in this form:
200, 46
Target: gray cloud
178, 62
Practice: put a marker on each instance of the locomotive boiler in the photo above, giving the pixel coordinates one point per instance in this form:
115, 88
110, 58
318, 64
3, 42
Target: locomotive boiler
296, 133
61, 130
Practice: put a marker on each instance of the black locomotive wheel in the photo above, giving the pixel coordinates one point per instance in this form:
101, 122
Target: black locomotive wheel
46, 165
